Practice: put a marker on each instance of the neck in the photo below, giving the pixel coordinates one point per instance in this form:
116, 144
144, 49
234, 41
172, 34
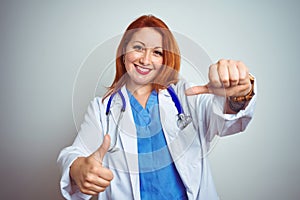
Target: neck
141, 93
139, 90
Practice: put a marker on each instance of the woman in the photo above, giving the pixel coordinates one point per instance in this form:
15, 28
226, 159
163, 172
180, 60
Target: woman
155, 149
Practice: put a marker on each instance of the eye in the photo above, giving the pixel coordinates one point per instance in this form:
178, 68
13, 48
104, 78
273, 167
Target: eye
138, 47
157, 53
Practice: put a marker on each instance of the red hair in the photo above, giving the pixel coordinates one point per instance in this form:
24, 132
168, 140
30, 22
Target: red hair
171, 54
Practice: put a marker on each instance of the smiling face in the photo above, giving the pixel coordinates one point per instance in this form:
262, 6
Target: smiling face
143, 57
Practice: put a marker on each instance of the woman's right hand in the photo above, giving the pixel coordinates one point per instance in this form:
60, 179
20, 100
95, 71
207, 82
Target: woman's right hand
89, 174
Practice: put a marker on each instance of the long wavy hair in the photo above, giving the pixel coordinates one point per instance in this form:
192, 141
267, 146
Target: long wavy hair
171, 54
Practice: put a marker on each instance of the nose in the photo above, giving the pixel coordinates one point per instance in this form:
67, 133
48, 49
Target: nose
146, 57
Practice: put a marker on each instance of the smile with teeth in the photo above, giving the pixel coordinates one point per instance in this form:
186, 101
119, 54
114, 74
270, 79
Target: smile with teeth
142, 70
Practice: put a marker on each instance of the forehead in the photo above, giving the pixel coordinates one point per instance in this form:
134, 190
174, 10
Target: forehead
149, 36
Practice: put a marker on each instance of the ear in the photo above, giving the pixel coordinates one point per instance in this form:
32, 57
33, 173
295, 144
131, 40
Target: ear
123, 56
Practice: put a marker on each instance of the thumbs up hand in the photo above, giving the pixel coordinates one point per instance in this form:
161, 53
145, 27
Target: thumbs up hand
88, 172
226, 78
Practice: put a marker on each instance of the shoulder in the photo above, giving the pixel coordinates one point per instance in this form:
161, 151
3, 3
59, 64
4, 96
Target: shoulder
97, 102
96, 106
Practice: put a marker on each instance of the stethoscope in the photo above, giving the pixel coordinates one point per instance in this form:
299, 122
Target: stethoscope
182, 121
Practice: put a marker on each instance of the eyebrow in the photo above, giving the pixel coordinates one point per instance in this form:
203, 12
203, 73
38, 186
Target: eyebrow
145, 45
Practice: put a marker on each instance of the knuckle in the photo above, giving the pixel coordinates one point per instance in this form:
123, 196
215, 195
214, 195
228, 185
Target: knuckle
225, 83
222, 61
89, 177
234, 79
89, 160
244, 77
93, 168
106, 184
232, 62
215, 83
212, 67
225, 80
239, 63
242, 66
111, 176
85, 185
234, 83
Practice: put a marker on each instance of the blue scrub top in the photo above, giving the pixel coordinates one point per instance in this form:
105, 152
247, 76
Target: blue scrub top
159, 178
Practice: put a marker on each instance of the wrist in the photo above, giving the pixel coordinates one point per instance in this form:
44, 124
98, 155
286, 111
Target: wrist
248, 96
236, 106
73, 170
237, 103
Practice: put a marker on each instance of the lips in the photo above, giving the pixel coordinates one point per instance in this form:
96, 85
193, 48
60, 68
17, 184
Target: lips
142, 70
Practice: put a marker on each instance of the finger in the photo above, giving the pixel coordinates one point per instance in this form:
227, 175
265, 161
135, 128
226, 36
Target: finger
106, 175
104, 147
91, 188
88, 192
238, 90
243, 73
100, 153
101, 178
98, 183
233, 73
223, 73
213, 76
197, 90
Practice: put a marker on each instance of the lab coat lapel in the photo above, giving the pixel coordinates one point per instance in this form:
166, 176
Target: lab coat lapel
128, 140
168, 116
182, 144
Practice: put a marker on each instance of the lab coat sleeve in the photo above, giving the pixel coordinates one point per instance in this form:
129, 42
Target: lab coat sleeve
222, 124
86, 142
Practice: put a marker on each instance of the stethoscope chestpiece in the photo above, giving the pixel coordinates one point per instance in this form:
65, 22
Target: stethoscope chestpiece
183, 121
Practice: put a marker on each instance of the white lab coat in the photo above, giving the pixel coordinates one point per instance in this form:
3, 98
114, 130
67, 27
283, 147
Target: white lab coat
188, 147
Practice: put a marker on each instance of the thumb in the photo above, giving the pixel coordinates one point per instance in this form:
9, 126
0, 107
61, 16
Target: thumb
102, 150
197, 90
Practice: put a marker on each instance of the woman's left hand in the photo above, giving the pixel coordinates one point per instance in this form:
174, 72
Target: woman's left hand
226, 78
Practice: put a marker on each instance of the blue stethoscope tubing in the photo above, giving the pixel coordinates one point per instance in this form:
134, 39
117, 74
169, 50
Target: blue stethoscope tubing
182, 122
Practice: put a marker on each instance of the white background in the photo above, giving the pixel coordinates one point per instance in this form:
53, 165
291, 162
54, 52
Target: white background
43, 44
